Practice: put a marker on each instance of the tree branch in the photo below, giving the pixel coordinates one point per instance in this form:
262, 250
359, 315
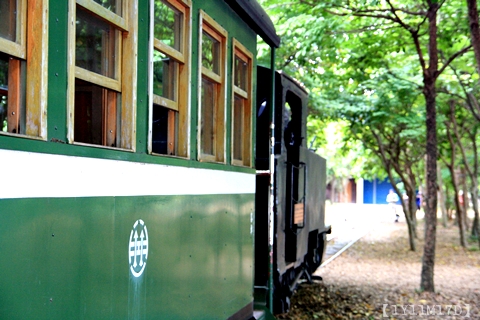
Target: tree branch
472, 102
453, 57
459, 140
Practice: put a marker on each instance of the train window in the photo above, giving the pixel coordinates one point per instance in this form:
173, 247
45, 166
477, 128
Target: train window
212, 65
96, 45
101, 105
8, 20
242, 105
23, 81
170, 72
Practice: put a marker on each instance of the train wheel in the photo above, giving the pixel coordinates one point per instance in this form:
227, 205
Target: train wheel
282, 292
314, 257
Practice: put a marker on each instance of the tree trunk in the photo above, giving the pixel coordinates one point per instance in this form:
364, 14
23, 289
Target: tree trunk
466, 202
475, 227
474, 29
409, 183
475, 40
474, 191
412, 203
475, 210
475, 37
428, 260
460, 214
429, 91
441, 198
409, 209
459, 206
412, 236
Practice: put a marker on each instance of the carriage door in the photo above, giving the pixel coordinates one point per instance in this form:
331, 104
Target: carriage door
296, 171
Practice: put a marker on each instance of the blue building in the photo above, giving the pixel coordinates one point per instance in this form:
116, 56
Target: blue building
375, 192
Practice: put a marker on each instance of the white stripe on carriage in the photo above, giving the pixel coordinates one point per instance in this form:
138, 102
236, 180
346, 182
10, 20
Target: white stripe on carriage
37, 175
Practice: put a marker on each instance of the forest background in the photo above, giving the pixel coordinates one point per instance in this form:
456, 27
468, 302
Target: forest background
394, 92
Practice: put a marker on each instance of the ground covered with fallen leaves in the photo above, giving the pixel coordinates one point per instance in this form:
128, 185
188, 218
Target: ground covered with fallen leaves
379, 278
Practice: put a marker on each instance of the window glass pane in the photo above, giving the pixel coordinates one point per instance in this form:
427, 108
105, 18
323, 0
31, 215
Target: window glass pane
95, 107
237, 128
160, 130
210, 53
3, 72
8, 19
168, 25
113, 5
208, 117
3, 113
241, 73
95, 45
164, 76
3, 93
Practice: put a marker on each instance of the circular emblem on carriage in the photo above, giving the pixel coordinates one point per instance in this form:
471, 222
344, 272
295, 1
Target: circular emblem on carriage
138, 248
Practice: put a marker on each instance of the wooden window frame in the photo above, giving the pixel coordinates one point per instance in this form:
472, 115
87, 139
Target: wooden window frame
126, 29
213, 29
245, 55
17, 48
31, 44
178, 142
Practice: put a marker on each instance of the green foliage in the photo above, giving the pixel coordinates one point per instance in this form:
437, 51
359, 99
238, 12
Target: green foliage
364, 73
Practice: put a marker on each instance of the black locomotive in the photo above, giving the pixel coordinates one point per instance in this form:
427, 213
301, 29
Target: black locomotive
291, 182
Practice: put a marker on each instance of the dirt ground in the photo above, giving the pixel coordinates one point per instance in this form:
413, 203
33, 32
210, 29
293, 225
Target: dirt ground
379, 278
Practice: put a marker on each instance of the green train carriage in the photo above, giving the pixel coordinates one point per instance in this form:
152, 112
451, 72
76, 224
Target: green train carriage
128, 158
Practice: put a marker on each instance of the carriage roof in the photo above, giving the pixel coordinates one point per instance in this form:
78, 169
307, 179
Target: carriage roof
253, 14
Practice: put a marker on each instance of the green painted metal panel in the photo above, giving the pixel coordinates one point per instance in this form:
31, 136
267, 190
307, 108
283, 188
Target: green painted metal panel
142, 77
57, 71
67, 258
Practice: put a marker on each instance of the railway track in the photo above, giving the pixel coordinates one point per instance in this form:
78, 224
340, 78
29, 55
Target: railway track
350, 223
336, 246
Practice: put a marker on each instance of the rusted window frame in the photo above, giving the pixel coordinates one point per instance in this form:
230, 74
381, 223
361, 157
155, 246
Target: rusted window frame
127, 40
245, 55
178, 143
213, 29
